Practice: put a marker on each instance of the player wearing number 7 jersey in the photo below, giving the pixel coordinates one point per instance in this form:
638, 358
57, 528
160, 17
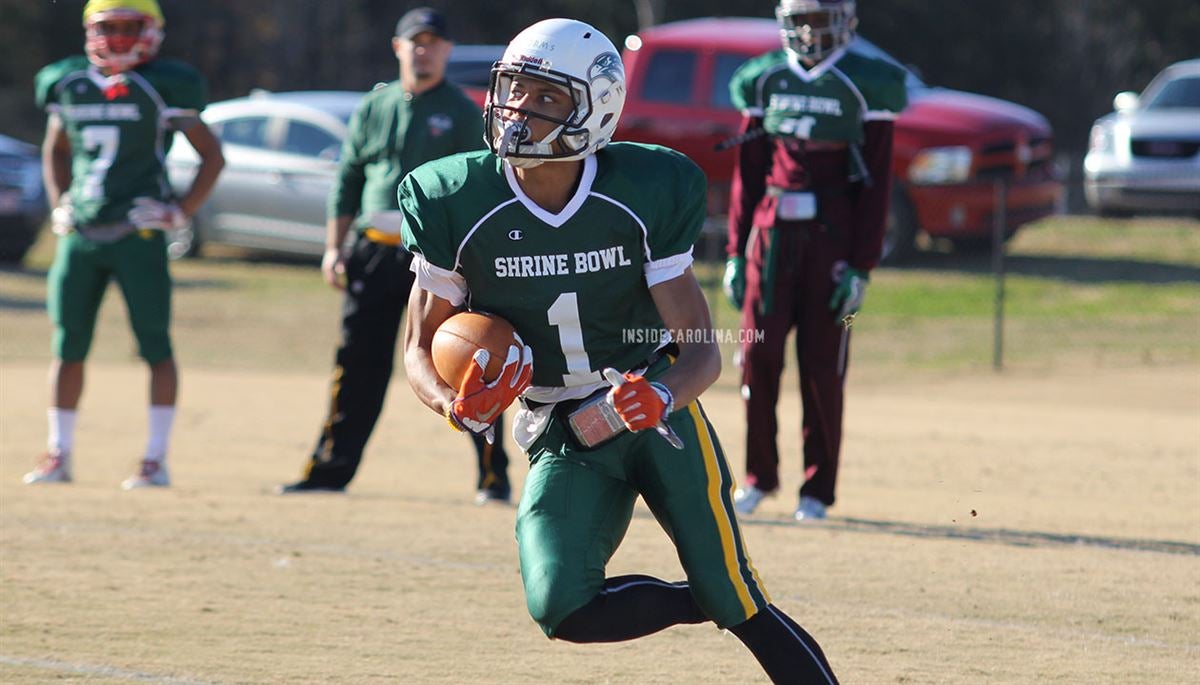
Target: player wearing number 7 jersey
586, 248
112, 115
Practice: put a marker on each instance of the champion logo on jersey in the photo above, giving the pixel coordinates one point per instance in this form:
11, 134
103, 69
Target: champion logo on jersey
439, 124
516, 234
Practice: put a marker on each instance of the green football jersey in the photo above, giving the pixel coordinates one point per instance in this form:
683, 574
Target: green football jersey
576, 285
119, 129
829, 102
393, 132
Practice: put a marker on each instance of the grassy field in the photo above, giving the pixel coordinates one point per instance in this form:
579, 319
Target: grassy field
1040, 525
1079, 292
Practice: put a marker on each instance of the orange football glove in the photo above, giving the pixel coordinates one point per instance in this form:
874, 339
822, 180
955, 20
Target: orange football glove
640, 403
479, 404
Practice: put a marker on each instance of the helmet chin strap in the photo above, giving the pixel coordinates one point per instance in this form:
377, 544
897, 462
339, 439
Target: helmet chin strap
517, 133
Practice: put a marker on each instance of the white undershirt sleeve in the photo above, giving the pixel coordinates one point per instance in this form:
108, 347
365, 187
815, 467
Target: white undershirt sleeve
448, 285
662, 270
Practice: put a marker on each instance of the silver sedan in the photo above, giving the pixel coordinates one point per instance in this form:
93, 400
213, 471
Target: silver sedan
1145, 156
281, 152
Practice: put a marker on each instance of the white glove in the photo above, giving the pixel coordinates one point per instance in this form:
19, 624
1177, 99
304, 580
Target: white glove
148, 213
62, 218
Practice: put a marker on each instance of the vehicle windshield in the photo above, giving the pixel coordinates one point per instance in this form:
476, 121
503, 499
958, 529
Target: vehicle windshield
471, 65
1179, 93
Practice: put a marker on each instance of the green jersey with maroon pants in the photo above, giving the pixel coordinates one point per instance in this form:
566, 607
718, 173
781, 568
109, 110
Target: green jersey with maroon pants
808, 205
391, 133
120, 129
576, 286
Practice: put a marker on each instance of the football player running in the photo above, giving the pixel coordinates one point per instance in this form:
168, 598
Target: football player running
586, 248
112, 116
806, 224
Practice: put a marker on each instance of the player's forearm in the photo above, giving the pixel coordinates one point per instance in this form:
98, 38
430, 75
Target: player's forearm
336, 229
684, 311
423, 378
747, 186
426, 312
56, 161
870, 214
211, 164
212, 161
696, 369
56, 174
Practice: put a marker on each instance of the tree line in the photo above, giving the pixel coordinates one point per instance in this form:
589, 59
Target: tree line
1064, 58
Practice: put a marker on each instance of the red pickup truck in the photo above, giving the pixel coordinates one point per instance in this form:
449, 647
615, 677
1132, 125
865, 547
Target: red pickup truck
950, 146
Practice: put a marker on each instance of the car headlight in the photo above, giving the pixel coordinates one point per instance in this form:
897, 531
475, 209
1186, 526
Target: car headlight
1101, 138
941, 165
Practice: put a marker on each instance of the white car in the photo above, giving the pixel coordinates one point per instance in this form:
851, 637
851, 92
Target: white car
1145, 156
281, 152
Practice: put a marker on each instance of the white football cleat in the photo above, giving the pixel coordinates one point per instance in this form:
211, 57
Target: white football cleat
151, 474
810, 509
53, 467
747, 499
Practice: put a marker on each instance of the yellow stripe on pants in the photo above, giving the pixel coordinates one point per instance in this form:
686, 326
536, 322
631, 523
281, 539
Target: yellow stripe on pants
721, 516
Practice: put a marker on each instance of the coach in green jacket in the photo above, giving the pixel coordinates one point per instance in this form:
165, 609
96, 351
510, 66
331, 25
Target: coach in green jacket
395, 129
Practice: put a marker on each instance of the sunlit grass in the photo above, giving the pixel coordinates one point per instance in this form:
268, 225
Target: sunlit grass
1078, 290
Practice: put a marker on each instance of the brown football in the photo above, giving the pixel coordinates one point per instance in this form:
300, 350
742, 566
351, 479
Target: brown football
457, 339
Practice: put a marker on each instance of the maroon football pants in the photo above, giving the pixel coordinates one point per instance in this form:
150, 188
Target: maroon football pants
804, 257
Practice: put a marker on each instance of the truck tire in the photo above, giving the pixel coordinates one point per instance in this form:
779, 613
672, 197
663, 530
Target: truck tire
979, 245
900, 233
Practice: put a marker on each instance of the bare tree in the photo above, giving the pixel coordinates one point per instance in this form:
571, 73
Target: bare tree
648, 12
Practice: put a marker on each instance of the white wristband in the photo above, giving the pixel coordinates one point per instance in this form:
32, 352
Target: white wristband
668, 399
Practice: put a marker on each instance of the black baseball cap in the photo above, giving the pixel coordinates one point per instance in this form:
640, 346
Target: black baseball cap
422, 20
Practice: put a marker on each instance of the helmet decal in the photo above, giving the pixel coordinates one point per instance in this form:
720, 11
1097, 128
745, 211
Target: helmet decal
607, 66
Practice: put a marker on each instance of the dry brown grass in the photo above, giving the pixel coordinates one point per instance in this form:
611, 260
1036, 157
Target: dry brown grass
403, 580
1079, 564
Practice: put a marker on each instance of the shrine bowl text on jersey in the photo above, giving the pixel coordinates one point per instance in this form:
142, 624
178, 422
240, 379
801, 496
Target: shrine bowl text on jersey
829, 102
571, 283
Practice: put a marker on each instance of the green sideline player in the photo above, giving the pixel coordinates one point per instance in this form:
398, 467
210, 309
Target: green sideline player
579, 243
112, 114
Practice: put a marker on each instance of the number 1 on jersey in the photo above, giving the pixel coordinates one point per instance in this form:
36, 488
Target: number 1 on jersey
564, 315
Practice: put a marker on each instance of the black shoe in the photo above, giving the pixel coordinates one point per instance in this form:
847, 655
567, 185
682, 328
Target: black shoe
303, 486
493, 495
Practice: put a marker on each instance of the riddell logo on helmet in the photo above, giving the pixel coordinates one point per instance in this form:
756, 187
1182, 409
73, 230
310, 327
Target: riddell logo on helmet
534, 61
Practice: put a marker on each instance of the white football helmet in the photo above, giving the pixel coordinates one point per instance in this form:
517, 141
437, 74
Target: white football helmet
575, 57
812, 40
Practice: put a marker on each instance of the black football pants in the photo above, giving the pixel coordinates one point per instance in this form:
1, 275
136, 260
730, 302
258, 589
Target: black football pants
378, 282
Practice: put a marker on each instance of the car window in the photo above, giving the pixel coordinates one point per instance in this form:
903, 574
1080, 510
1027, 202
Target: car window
1180, 93
312, 141
669, 77
474, 73
248, 131
723, 69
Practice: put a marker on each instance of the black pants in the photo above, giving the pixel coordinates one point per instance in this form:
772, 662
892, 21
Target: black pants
378, 282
